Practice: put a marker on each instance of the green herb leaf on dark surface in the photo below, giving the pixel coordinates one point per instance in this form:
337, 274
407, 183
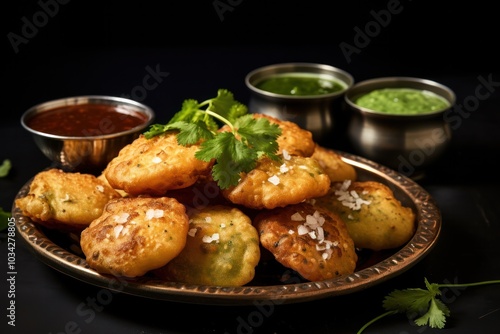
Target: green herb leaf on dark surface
5, 168
430, 310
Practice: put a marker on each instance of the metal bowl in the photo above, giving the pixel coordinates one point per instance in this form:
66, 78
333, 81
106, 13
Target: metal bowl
407, 143
86, 153
315, 113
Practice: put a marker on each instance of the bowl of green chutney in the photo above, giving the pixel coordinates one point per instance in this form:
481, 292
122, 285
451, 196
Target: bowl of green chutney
400, 122
303, 93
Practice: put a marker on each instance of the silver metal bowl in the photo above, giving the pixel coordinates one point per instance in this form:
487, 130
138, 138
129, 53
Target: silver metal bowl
407, 143
315, 113
91, 153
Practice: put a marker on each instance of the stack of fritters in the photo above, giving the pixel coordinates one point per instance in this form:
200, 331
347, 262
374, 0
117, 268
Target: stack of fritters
156, 211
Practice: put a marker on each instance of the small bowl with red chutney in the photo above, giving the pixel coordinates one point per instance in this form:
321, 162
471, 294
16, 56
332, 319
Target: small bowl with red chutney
83, 133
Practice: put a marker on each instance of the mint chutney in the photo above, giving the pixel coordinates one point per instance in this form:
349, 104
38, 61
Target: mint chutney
300, 84
402, 101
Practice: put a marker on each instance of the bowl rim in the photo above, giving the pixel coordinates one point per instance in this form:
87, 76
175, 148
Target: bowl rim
340, 75
88, 99
365, 86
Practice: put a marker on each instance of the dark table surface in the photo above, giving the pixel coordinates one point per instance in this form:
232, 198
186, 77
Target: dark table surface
78, 50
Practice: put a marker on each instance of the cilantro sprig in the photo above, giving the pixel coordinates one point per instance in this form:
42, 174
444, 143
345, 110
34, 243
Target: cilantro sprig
234, 151
431, 311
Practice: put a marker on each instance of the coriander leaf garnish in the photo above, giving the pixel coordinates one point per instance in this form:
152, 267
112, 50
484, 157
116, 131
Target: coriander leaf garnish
256, 132
419, 301
232, 156
431, 311
234, 151
191, 133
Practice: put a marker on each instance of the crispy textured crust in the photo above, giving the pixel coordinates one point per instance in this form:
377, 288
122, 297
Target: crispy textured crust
274, 184
222, 249
154, 166
103, 178
314, 257
203, 193
65, 201
336, 168
294, 139
381, 223
135, 235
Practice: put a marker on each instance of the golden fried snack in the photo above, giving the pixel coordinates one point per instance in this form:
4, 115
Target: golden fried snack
336, 168
65, 201
103, 178
309, 240
293, 139
274, 184
153, 166
222, 249
202, 193
375, 219
135, 235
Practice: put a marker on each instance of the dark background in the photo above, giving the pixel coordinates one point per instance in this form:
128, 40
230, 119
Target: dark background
98, 42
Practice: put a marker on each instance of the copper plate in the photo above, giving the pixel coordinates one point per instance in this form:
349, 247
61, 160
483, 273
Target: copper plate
376, 268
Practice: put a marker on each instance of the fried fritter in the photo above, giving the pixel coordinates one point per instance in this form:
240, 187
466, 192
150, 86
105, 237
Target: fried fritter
203, 192
153, 166
274, 184
375, 219
309, 240
336, 168
294, 139
64, 200
135, 235
222, 249
103, 178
